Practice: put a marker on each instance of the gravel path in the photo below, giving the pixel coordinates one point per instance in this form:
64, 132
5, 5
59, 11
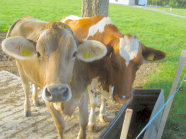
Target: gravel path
161, 11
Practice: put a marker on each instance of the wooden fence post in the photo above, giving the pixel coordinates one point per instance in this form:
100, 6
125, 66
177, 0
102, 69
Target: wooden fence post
126, 124
172, 90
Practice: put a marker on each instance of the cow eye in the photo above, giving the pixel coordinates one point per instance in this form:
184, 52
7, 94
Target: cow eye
112, 62
137, 67
74, 54
38, 54
114, 65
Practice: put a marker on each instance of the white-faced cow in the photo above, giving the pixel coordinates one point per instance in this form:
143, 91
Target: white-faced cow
115, 72
52, 58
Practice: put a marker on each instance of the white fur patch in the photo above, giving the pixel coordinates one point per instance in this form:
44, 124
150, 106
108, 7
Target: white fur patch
92, 117
128, 48
98, 88
94, 87
98, 27
71, 17
92, 94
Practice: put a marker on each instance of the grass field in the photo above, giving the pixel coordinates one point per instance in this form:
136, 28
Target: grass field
163, 32
157, 30
178, 11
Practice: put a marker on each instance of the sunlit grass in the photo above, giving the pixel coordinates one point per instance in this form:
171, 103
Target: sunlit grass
46, 10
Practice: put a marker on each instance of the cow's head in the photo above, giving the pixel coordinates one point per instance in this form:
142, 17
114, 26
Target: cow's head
54, 51
126, 58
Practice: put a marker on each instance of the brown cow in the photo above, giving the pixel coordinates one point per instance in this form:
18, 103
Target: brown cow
52, 58
116, 72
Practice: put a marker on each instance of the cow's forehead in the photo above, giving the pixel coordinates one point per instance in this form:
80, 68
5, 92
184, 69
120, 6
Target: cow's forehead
128, 48
57, 35
57, 39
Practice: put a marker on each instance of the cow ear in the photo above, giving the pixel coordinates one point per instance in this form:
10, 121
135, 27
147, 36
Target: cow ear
151, 54
62, 20
91, 50
109, 50
19, 47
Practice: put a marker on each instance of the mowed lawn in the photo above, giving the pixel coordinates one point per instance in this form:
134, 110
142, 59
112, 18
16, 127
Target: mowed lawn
154, 29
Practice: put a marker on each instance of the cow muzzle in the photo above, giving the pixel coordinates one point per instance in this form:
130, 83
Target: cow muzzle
123, 100
57, 93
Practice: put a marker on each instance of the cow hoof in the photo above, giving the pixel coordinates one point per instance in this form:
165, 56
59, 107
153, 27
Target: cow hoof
27, 114
103, 118
81, 135
37, 104
92, 128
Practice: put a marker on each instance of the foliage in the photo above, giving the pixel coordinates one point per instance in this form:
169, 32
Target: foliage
178, 11
157, 30
173, 3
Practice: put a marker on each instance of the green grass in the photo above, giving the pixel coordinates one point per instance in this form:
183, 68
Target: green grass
46, 10
178, 11
157, 30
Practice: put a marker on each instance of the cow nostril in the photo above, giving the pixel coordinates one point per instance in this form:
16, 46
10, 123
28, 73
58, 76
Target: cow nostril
65, 92
48, 94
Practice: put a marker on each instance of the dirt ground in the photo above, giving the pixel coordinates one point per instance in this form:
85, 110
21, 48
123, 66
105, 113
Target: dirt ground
16, 99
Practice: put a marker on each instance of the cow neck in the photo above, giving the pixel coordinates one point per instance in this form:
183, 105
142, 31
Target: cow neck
100, 69
78, 86
80, 78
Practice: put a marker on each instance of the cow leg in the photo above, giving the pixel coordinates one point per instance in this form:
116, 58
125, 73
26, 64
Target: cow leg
26, 87
103, 114
58, 119
34, 96
93, 104
83, 116
104, 97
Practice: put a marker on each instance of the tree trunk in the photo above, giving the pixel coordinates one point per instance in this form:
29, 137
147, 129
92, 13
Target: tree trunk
94, 8
86, 10
100, 7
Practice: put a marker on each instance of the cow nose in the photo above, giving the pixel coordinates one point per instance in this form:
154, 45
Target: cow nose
57, 93
123, 99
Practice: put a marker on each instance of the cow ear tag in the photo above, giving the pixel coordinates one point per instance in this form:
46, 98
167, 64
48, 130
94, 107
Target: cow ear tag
110, 55
71, 78
87, 55
25, 52
150, 57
